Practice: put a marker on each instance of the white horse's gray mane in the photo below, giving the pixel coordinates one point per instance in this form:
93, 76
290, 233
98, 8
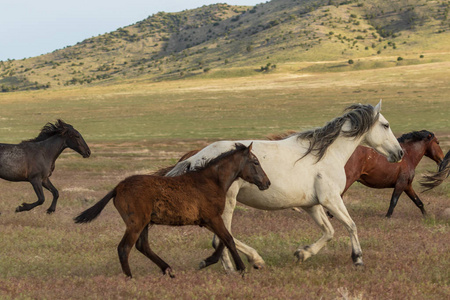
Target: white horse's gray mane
361, 118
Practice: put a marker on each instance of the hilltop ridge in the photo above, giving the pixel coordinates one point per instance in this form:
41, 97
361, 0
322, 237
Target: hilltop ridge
240, 40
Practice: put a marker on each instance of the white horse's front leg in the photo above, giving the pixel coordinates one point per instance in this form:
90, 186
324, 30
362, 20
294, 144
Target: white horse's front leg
318, 214
337, 208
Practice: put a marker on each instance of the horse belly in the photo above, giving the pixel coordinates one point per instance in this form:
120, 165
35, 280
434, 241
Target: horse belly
170, 211
275, 198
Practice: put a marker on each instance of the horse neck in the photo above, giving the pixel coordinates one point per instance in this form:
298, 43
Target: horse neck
225, 172
53, 146
414, 152
343, 148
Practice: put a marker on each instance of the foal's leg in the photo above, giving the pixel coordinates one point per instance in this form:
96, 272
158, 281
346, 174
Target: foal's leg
214, 258
413, 196
394, 199
318, 215
252, 255
49, 186
217, 226
129, 239
37, 186
143, 246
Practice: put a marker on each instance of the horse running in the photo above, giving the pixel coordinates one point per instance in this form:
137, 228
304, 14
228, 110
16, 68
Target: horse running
306, 170
373, 170
34, 160
433, 180
195, 198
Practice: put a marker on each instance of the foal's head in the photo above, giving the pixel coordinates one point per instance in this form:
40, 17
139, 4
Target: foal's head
251, 170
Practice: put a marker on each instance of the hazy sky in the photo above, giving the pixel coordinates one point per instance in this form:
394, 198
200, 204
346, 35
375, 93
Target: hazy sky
33, 27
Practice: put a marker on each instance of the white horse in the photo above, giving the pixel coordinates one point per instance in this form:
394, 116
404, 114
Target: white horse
306, 170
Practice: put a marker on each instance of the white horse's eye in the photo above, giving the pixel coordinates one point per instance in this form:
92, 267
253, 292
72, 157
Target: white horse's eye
386, 126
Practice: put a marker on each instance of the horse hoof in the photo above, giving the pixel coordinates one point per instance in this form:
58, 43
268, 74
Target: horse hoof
359, 264
18, 209
169, 272
50, 211
202, 265
258, 266
302, 254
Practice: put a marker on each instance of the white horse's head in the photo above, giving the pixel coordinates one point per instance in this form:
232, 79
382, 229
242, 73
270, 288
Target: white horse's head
381, 138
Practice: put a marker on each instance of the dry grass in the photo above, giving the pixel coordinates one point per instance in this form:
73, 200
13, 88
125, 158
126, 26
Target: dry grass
48, 256
138, 127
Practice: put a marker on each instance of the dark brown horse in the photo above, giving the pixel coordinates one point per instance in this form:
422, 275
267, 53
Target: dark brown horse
433, 180
34, 160
194, 198
373, 170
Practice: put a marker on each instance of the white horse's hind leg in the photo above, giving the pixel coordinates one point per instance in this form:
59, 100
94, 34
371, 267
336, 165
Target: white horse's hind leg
252, 255
339, 211
318, 214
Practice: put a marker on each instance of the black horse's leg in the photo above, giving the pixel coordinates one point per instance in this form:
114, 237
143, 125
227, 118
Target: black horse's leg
413, 196
37, 186
49, 186
395, 195
143, 246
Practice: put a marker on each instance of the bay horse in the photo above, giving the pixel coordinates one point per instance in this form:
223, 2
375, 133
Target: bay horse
195, 198
433, 180
34, 160
373, 170
306, 170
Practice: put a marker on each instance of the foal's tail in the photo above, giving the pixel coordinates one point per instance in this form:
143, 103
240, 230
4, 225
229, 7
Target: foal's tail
93, 212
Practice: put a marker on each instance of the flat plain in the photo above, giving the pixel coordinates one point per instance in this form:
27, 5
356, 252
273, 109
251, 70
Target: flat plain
136, 127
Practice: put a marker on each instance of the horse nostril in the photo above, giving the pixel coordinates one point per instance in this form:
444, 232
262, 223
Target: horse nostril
400, 153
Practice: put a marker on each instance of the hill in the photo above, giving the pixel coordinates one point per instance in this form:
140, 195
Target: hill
222, 41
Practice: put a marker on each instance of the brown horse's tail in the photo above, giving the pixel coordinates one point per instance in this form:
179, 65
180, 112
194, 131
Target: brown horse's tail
91, 213
433, 180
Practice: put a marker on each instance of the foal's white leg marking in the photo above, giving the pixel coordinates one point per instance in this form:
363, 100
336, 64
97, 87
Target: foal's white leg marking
318, 215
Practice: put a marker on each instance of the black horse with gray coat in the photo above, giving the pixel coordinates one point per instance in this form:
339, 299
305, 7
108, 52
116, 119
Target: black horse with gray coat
34, 160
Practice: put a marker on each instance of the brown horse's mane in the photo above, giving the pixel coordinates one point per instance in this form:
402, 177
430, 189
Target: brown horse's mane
49, 130
415, 136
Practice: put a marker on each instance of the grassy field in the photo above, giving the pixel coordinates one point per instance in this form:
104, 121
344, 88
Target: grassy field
137, 127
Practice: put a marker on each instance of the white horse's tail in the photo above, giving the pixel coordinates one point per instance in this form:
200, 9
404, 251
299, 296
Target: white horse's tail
179, 169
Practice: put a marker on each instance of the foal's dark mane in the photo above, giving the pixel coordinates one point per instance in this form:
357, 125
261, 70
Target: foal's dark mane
415, 136
361, 118
209, 162
49, 130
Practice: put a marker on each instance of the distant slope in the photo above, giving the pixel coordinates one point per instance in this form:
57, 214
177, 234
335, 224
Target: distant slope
221, 39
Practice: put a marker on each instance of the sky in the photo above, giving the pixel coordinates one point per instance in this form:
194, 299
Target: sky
33, 27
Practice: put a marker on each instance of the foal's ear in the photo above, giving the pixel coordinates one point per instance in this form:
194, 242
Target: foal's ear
250, 146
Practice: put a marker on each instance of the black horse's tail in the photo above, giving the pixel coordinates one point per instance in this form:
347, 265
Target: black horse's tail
91, 213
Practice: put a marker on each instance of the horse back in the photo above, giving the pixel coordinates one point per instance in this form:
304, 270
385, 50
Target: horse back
162, 200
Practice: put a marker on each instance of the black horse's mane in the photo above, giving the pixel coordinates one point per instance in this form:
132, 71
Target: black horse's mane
49, 130
415, 136
209, 162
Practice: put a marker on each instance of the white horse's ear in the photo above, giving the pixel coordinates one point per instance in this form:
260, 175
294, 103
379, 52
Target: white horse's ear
378, 107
